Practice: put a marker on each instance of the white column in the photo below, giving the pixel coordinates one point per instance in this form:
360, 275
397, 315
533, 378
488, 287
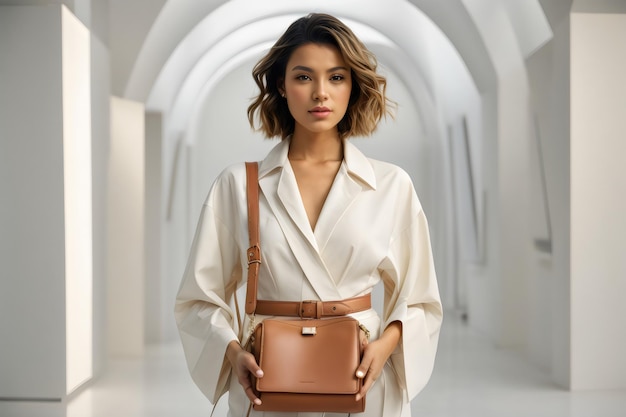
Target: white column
598, 201
126, 221
45, 215
32, 253
158, 304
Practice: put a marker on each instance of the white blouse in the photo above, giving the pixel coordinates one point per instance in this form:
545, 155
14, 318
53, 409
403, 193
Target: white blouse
371, 228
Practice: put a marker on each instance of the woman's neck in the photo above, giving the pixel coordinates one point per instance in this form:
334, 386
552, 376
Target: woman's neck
316, 147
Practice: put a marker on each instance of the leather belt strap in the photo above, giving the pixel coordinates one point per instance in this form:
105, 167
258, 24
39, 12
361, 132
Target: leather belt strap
314, 309
303, 309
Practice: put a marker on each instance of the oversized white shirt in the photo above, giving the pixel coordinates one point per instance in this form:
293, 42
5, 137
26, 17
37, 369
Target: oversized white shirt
372, 228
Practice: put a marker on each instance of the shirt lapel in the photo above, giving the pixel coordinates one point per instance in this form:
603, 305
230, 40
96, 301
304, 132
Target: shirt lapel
342, 193
280, 189
355, 175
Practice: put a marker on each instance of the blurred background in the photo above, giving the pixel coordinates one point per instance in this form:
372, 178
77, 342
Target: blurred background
116, 116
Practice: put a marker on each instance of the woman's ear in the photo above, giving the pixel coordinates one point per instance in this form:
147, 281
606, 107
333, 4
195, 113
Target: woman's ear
281, 87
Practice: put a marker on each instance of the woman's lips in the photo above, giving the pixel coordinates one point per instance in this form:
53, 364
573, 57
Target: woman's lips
320, 112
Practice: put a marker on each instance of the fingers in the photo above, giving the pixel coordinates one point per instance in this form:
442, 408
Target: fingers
369, 370
252, 395
362, 369
371, 377
252, 366
364, 342
247, 367
363, 372
363, 338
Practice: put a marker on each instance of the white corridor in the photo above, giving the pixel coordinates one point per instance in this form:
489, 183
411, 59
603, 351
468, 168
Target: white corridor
472, 379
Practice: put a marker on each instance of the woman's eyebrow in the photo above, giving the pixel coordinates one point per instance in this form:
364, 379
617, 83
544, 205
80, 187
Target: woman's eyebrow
307, 69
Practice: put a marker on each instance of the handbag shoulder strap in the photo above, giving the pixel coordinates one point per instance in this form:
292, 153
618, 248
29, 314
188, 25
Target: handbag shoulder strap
254, 251
308, 309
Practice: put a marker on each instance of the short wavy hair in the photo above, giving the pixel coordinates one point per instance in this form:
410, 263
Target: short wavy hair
367, 104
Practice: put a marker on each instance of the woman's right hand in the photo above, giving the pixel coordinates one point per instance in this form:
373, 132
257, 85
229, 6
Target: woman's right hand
244, 364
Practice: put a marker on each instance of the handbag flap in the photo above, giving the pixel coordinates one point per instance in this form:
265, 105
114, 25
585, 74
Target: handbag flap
320, 363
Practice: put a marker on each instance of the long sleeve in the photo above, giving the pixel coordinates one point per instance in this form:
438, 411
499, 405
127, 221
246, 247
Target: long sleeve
341, 258
412, 297
206, 320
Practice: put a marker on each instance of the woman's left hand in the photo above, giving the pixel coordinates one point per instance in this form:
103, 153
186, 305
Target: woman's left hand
375, 355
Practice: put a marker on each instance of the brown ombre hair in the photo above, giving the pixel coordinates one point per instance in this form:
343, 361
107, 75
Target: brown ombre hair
368, 103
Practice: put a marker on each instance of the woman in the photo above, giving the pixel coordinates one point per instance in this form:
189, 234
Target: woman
333, 224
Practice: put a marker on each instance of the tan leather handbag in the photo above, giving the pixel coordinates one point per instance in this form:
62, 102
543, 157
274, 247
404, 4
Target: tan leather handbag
309, 359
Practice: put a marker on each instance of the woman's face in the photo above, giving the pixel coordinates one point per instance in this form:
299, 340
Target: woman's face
317, 87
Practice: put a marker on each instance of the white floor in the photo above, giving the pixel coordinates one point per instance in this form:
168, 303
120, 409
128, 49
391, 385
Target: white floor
471, 379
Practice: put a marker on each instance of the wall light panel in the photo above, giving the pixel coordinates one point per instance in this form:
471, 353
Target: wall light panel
77, 196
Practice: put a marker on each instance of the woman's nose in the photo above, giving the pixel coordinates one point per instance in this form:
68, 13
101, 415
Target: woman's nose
319, 94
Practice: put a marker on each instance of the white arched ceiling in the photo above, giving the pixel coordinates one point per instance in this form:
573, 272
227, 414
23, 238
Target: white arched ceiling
178, 17
232, 32
175, 20
232, 49
225, 34
236, 48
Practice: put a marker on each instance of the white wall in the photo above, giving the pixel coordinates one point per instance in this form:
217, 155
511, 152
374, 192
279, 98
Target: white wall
46, 238
549, 288
157, 311
32, 288
126, 217
598, 202
130, 22
459, 107
498, 293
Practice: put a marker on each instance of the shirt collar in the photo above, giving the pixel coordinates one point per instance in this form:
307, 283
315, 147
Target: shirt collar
357, 164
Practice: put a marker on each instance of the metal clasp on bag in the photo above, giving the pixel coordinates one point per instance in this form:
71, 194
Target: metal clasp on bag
309, 331
311, 309
365, 331
252, 325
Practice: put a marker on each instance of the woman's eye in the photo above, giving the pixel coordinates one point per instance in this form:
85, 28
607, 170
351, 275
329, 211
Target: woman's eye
303, 77
337, 77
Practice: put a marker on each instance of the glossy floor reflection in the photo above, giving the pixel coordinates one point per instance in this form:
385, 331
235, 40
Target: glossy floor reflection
472, 379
